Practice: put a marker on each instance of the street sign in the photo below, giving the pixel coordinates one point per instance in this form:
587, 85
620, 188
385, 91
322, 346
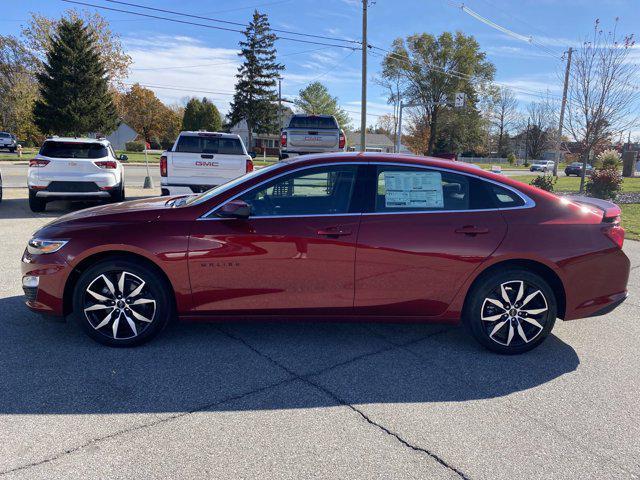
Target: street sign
459, 101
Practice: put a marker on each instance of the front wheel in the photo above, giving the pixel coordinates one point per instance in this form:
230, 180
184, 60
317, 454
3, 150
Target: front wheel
122, 303
510, 312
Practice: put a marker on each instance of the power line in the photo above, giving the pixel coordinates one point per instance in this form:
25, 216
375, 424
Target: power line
214, 27
228, 22
182, 89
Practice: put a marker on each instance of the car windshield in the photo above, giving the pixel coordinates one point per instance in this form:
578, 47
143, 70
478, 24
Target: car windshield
5, 135
312, 122
576, 164
73, 150
204, 196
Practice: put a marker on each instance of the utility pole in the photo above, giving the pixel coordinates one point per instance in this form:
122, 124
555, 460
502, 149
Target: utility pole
399, 132
561, 123
279, 103
363, 102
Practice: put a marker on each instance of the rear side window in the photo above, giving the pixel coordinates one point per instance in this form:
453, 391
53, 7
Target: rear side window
505, 198
73, 150
405, 189
313, 122
202, 144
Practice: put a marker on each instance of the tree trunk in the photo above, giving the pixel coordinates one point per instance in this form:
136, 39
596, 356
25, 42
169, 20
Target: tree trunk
249, 136
433, 123
585, 159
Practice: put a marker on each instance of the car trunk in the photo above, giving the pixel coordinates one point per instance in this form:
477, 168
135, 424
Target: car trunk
309, 138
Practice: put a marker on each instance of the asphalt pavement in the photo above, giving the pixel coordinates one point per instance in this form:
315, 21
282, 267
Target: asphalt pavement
311, 400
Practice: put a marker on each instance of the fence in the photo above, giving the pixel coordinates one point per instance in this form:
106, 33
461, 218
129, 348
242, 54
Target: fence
490, 160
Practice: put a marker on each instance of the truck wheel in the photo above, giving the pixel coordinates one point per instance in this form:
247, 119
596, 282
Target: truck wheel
36, 204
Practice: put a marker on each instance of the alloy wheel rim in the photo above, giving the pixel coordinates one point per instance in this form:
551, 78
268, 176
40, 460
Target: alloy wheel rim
514, 313
119, 305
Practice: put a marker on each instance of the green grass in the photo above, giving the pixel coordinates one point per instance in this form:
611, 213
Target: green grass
27, 153
572, 184
631, 220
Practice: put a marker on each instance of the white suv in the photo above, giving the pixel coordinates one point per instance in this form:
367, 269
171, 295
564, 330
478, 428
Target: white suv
75, 169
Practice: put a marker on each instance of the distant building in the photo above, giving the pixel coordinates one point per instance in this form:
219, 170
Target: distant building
376, 142
260, 142
121, 135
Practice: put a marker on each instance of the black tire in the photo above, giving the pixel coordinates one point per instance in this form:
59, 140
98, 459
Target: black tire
12, 150
36, 204
130, 330
118, 195
502, 329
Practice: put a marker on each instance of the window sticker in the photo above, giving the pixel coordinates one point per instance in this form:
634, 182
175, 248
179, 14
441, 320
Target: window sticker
413, 190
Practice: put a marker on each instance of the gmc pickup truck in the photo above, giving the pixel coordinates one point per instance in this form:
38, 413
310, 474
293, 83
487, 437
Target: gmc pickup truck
311, 134
199, 161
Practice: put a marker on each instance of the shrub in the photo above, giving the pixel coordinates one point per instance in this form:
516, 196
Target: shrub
609, 159
605, 183
511, 158
134, 146
526, 163
545, 182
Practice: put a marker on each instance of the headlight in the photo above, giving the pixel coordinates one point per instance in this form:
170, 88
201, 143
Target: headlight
38, 246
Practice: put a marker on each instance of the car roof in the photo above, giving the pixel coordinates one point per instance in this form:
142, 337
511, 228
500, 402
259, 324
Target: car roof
195, 133
101, 141
321, 115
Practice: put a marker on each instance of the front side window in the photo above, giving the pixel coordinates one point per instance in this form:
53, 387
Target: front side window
314, 191
406, 189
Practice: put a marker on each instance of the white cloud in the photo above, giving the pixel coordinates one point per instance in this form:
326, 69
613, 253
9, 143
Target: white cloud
157, 61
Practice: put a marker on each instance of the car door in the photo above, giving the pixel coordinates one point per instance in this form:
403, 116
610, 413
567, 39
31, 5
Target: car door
427, 232
294, 254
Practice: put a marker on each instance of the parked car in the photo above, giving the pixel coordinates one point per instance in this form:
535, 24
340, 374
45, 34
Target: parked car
575, 168
311, 134
354, 236
199, 161
75, 169
8, 141
542, 166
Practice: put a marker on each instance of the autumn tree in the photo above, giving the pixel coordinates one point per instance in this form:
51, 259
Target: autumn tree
255, 98
146, 114
315, 99
602, 96
434, 69
40, 31
74, 96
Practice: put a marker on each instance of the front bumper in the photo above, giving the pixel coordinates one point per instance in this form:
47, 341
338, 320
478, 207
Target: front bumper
46, 294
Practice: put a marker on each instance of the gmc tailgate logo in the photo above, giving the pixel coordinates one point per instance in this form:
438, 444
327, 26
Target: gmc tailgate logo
200, 163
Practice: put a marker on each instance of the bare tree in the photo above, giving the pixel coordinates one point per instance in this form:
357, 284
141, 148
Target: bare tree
601, 100
505, 115
540, 127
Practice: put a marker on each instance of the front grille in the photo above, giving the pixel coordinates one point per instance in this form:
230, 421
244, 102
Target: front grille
30, 293
72, 187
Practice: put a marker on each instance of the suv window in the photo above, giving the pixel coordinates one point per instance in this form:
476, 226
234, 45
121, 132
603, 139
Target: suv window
312, 122
73, 150
204, 144
5, 135
401, 189
314, 191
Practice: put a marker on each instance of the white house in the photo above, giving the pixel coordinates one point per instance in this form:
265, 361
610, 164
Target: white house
121, 135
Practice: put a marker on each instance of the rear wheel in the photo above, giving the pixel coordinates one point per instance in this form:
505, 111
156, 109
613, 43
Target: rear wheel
118, 195
36, 204
510, 312
122, 303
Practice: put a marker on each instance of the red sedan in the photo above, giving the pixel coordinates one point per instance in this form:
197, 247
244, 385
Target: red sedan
336, 237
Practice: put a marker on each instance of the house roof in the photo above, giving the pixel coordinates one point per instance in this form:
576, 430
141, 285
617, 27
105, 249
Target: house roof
353, 138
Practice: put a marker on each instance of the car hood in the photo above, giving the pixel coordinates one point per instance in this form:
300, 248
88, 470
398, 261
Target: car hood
135, 209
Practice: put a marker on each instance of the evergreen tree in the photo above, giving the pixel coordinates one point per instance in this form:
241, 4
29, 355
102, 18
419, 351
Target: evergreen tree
74, 95
201, 115
255, 99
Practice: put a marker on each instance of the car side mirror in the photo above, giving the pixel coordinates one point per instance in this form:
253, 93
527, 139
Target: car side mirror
123, 157
235, 209
253, 154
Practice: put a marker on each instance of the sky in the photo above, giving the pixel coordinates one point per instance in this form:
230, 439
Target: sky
180, 61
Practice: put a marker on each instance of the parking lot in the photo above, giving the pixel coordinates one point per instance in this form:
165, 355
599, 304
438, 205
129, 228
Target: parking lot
311, 400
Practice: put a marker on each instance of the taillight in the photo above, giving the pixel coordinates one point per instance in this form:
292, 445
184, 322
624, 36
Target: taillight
342, 140
283, 139
38, 163
249, 165
615, 234
106, 164
163, 166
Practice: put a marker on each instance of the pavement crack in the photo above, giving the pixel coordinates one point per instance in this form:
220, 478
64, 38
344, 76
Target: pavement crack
306, 378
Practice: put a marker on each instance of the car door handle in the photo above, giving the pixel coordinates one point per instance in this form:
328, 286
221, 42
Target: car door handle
472, 230
333, 232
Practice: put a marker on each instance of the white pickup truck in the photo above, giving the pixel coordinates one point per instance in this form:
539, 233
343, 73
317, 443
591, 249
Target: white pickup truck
199, 161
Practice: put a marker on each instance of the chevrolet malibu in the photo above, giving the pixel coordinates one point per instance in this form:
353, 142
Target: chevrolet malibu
364, 237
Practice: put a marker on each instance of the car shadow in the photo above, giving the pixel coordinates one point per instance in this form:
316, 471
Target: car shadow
50, 367
17, 208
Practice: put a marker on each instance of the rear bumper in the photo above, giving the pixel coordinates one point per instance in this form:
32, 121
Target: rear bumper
183, 189
74, 190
